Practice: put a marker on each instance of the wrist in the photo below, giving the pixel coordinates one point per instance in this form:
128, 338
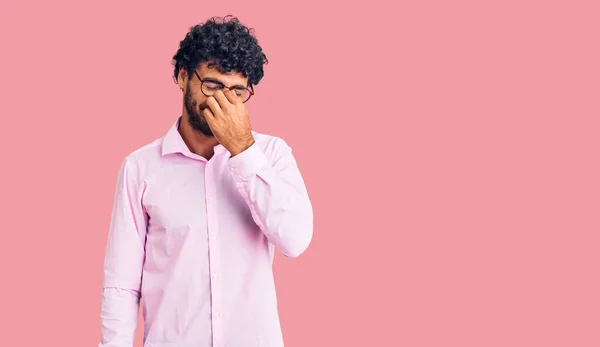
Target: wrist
239, 148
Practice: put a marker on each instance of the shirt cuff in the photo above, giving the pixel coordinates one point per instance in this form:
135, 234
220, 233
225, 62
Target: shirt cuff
247, 163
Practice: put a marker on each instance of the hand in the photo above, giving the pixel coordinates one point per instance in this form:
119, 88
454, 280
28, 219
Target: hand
229, 121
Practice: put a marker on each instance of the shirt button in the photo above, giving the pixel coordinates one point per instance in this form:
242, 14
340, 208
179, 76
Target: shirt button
214, 276
209, 200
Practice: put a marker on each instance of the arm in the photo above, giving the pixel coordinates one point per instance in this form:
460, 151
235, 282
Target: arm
123, 261
276, 195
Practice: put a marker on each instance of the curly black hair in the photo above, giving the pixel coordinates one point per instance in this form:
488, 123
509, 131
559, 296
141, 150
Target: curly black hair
226, 44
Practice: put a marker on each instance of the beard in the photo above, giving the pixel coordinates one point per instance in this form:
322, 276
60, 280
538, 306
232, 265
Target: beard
195, 117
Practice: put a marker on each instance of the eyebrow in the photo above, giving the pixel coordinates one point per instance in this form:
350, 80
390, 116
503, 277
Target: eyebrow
210, 79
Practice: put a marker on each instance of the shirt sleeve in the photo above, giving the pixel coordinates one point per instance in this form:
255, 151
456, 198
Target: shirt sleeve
124, 260
276, 195
119, 314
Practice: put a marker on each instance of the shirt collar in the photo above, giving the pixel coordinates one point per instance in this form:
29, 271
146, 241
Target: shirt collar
173, 142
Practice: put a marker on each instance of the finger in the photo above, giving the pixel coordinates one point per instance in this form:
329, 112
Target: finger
222, 99
208, 113
214, 106
209, 116
232, 96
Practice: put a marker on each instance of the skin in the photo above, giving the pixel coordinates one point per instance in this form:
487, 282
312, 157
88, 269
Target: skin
218, 119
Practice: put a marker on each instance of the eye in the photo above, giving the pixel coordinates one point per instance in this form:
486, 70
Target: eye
212, 86
240, 92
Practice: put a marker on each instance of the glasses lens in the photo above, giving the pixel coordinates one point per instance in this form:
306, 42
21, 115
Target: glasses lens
209, 88
242, 94
247, 95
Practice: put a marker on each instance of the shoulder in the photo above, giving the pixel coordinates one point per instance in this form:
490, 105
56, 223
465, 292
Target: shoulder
141, 158
147, 152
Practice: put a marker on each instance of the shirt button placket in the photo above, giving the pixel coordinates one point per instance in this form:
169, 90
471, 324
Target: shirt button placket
214, 256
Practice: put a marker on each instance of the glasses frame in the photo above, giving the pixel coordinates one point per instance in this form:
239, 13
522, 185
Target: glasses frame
250, 89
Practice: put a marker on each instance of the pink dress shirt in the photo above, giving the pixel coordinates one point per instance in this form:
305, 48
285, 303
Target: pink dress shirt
194, 239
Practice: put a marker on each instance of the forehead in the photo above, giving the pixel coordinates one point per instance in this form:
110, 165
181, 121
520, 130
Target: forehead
230, 78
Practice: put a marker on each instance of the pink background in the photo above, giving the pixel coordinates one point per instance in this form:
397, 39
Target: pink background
450, 149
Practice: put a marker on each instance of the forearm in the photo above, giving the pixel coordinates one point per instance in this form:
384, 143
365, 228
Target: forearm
277, 198
119, 316
123, 261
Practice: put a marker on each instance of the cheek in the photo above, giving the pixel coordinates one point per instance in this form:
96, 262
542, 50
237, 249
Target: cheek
193, 97
193, 102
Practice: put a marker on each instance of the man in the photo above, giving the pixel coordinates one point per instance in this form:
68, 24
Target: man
199, 213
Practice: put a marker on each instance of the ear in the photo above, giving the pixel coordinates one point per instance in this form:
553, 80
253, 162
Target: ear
182, 77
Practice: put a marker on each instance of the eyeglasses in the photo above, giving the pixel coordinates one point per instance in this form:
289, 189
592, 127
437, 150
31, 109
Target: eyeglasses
209, 87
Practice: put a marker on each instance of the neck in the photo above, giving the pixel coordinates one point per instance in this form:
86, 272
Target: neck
196, 141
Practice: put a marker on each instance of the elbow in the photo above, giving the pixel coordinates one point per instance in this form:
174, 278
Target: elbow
296, 249
291, 230
299, 239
